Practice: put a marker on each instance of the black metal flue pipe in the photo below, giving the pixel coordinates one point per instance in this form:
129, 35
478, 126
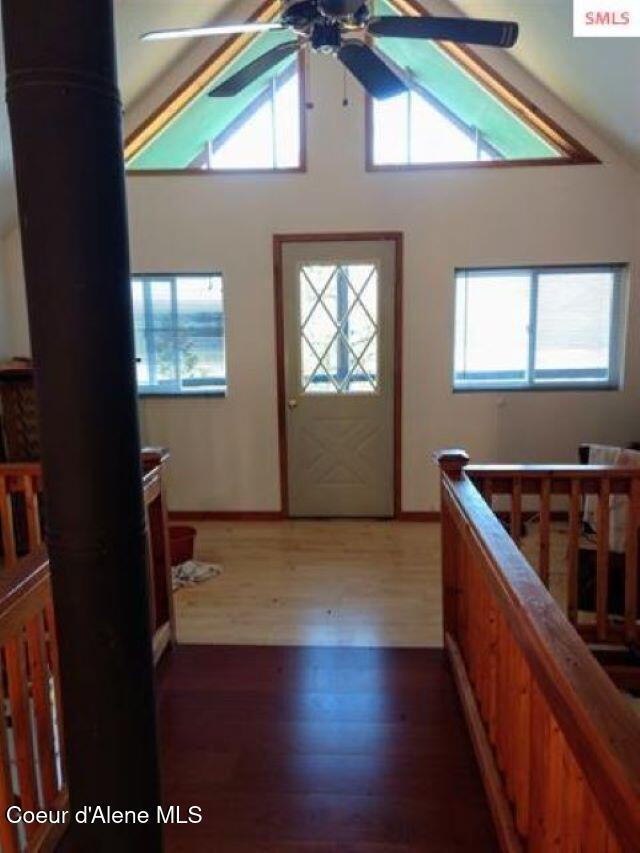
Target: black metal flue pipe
65, 118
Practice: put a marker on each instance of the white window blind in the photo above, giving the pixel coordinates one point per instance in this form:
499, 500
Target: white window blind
538, 327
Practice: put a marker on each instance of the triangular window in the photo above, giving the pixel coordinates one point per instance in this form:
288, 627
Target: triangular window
257, 129
457, 110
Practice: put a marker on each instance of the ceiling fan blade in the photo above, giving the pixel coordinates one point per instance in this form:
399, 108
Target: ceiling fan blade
245, 76
370, 70
199, 32
466, 30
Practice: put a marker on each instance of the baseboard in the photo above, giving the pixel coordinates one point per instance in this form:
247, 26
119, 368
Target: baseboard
428, 515
226, 515
273, 515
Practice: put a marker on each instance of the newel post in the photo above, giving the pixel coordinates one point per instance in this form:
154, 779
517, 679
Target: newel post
156, 458
451, 464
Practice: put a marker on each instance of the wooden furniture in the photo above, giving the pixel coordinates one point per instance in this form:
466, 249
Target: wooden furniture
23, 481
558, 746
20, 440
31, 727
587, 565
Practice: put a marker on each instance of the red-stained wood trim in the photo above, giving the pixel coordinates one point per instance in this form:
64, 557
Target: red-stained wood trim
184, 94
279, 240
131, 143
226, 515
498, 802
432, 516
573, 151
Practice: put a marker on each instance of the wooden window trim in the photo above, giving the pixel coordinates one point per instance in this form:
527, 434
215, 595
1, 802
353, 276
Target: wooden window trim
572, 151
193, 86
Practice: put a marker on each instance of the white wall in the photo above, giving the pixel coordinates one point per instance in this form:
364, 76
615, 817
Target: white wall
225, 450
14, 300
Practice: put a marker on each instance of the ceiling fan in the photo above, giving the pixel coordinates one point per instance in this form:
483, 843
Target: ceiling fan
323, 25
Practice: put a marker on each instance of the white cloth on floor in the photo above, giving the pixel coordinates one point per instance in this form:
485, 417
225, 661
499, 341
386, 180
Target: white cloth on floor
619, 457
193, 572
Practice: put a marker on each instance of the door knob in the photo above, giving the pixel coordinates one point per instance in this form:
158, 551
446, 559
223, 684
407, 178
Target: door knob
292, 403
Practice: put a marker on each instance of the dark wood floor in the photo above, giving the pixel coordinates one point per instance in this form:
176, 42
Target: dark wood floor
318, 750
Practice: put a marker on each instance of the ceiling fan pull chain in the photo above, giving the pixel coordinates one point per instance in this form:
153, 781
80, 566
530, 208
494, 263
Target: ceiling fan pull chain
345, 98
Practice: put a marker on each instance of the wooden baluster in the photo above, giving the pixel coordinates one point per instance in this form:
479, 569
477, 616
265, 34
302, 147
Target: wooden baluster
572, 802
32, 513
522, 745
555, 785
511, 716
38, 665
18, 685
593, 834
545, 530
54, 668
6, 525
492, 635
602, 560
450, 560
572, 551
481, 650
502, 739
8, 833
516, 510
631, 562
539, 763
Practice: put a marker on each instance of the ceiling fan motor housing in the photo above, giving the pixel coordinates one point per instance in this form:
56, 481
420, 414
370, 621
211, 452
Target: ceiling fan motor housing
340, 8
325, 36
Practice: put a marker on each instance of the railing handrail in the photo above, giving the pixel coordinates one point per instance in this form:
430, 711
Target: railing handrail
601, 728
540, 470
15, 584
20, 468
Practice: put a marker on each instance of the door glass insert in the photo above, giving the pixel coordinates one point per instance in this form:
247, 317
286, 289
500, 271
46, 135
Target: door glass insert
339, 328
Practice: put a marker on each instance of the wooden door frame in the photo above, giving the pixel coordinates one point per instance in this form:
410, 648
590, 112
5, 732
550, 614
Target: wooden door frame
279, 241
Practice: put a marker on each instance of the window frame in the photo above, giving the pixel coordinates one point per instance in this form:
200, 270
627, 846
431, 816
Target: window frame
617, 331
571, 152
205, 76
343, 348
223, 393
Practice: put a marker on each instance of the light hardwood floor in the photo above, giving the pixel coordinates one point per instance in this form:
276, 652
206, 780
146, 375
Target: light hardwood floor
347, 583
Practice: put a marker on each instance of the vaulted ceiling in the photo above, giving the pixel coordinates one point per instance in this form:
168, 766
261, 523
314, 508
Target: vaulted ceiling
598, 78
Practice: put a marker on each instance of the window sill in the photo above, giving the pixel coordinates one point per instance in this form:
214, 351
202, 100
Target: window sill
477, 164
509, 389
155, 173
177, 395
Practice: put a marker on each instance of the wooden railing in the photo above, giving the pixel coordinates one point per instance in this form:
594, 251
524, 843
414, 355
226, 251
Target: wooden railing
560, 491
31, 735
558, 745
31, 756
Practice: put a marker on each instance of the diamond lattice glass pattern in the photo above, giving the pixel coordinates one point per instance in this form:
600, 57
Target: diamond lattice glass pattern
339, 328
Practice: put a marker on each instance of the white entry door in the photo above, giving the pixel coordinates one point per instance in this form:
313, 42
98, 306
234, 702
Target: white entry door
338, 303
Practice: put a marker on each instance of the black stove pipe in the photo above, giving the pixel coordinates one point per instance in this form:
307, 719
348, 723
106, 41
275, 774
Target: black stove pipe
65, 118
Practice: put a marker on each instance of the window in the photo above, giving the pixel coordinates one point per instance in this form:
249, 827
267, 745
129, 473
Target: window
179, 334
538, 328
339, 328
456, 110
259, 128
